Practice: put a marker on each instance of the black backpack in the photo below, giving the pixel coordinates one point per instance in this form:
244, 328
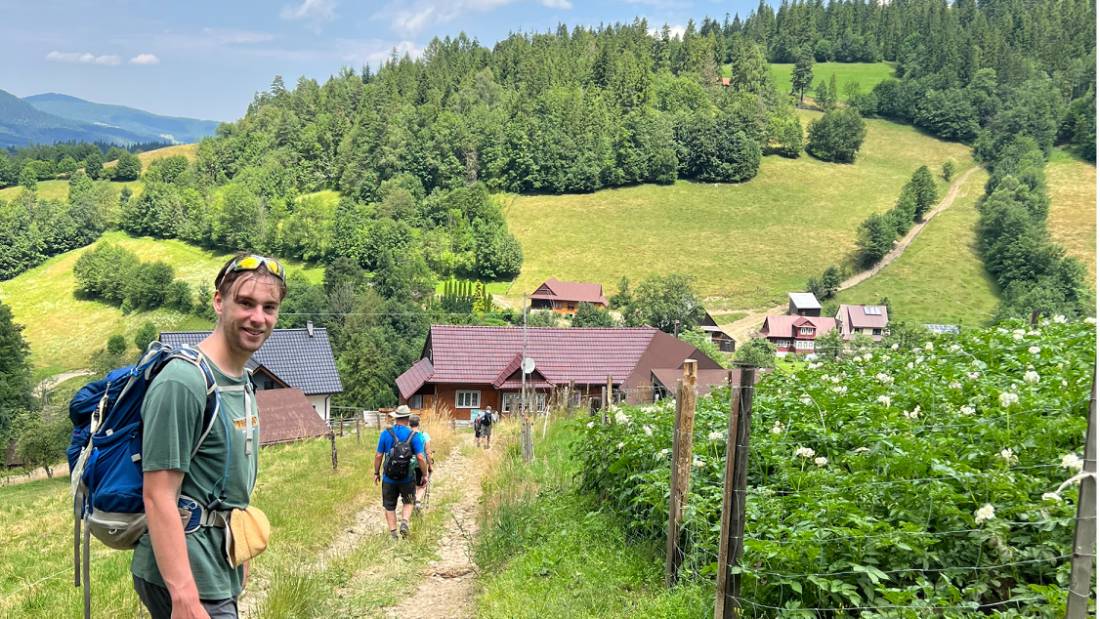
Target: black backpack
399, 457
486, 419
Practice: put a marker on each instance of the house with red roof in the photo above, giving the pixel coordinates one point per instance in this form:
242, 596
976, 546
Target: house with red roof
474, 367
870, 320
564, 297
795, 334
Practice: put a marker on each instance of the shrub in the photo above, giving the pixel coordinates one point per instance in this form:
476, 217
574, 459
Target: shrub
837, 136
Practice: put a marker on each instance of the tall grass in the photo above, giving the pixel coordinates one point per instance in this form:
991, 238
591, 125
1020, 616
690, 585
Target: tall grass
545, 550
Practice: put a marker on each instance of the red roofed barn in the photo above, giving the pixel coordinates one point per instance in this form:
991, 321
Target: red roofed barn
465, 367
795, 333
564, 297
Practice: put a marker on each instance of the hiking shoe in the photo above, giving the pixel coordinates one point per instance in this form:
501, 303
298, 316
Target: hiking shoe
404, 529
417, 506
393, 533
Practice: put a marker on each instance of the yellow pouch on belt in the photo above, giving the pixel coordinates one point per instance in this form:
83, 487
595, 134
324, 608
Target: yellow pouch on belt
246, 535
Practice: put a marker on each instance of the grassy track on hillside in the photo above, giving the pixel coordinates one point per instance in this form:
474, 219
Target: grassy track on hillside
1072, 220
746, 244
866, 74
940, 278
64, 331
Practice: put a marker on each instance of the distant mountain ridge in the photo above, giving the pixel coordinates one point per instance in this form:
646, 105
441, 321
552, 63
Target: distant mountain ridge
50, 118
175, 129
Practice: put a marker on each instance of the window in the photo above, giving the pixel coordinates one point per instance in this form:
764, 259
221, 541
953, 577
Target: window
467, 399
417, 401
876, 331
510, 402
805, 330
782, 343
804, 344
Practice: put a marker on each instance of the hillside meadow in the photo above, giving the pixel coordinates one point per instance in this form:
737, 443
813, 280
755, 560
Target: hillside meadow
63, 331
1072, 220
745, 244
866, 74
940, 278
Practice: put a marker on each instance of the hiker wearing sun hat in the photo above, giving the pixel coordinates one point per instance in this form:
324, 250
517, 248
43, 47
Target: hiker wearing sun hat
398, 446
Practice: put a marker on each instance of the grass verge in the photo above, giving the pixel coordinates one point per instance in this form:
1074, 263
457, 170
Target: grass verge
1072, 220
546, 550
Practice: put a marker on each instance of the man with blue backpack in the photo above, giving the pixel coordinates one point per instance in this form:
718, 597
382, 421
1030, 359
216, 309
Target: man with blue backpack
165, 455
398, 446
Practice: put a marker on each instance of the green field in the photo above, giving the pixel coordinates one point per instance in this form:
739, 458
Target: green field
64, 331
746, 244
940, 278
866, 74
1072, 220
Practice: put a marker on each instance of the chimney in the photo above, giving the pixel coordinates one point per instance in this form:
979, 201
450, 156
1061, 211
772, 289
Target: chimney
309, 327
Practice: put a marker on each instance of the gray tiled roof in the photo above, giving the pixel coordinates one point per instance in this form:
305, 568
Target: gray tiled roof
301, 361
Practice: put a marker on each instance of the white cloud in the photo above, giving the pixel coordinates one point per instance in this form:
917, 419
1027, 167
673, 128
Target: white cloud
412, 18
145, 59
375, 52
83, 58
315, 11
674, 31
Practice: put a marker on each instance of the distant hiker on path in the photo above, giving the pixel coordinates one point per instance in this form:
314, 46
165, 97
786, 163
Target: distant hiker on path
398, 446
422, 479
187, 573
483, 427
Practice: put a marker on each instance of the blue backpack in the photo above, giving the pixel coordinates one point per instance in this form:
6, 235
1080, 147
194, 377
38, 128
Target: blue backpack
105, 454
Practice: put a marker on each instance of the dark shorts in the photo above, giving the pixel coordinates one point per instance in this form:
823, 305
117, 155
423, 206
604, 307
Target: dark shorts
483, 431
159, 602
390, 492
419, 477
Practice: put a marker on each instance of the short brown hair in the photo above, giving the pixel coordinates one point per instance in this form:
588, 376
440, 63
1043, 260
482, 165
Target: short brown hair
225, 279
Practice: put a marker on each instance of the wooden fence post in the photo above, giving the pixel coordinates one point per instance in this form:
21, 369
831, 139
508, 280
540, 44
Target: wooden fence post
357, 437
681, 470
731, 542
332, 442
1084, 537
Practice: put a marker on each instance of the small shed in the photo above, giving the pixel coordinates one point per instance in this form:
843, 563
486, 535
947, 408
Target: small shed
803, 304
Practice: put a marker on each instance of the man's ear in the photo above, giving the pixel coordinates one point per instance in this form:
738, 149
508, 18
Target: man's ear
218, 303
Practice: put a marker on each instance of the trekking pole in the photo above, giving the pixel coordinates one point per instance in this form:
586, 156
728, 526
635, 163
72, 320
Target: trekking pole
428, 493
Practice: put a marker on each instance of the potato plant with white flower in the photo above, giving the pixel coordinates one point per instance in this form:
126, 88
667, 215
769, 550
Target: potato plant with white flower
873, 495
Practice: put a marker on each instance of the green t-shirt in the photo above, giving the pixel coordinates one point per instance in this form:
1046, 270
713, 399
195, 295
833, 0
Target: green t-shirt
173, 414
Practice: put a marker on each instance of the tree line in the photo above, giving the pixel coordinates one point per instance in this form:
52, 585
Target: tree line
41, 162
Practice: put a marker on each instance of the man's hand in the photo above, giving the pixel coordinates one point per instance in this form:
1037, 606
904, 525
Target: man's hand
377, 478
244, 581
189, 610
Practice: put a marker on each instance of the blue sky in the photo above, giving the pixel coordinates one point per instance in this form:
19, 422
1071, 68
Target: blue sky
207, 59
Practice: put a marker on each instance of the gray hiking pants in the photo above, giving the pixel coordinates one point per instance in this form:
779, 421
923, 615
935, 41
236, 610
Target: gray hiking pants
159, 602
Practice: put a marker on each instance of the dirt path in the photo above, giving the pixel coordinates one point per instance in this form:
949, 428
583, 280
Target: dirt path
742, 329
49, 383
446, 591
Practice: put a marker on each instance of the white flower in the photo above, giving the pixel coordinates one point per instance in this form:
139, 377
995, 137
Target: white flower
884, 378
821, 460
1060, 319
716, 436
620, 445
1008, 399
1052, 496
909, 365
1018, 335
1031, 376
1033, 332
648, 430
868, 356
664, 452
955, 385
804, 452
861, 450
967, 410
894, 346
1064, 383
826, 378
589, 425
1072, 462
857, 359
954, 348
777, 428
884, 400
1008, 456
973, 375
621, 418
913, 414
807, 400
1091, 320
920, 359
928, 346
841, 389
813, 366
1034, 350
698, 463
983, 513
835, 379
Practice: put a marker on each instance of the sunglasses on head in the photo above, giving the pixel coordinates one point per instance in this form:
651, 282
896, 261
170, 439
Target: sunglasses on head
252, 262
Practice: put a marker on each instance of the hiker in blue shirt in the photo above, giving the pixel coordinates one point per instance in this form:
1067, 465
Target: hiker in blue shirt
398, 446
